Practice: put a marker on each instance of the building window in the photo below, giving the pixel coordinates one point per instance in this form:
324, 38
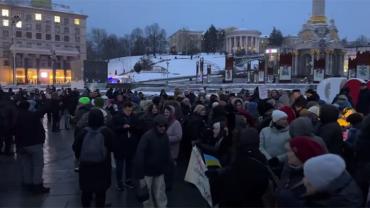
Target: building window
28, 17
29, 35
6, 23
57, 37
5, 12
48, 28
18, 24
28, 26
78, 39
18, 34
57, 29
66, 30
38, 16
38, 36
66, 38
38, 27
57, 19
48, 37
5, 33
66, 21
6, 63
77, 21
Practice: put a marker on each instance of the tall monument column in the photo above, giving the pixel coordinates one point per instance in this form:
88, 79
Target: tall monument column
318, 11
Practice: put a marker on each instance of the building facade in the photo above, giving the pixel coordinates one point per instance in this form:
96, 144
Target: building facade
240, 39
40, 43
186, 41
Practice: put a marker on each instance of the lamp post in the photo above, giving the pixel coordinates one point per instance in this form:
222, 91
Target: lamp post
53, 57
167, 72
15, 20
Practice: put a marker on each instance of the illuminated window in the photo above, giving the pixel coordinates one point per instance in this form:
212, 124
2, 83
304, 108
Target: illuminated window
77, 21
57, 19
38, 16
6, 23
19, 24
5, 12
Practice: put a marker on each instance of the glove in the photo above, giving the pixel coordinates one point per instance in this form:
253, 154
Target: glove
273, 162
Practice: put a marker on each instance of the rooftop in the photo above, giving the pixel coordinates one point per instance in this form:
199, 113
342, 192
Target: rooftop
27, 3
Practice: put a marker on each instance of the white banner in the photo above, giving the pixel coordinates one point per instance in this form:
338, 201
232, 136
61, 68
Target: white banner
195, 174
285, 73
263, 92
363, 72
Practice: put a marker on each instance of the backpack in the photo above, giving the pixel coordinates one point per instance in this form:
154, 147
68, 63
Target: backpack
93, 149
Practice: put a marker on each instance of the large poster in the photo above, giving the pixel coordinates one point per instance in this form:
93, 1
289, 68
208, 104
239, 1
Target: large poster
261, 76
363, 72
285, 73
318, 75
229, 69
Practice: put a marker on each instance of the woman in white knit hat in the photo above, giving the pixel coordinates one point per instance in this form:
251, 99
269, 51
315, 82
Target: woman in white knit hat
328, 184
273, 139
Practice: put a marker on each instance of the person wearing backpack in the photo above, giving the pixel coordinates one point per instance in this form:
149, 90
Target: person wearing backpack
93, 147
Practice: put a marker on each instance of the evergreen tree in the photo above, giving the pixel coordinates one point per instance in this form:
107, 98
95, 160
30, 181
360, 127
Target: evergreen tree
276, 38
210, 40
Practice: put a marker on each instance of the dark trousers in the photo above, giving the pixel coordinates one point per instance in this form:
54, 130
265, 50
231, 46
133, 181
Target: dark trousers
120, 163
56, 122
8, 141
169, 175
87, 197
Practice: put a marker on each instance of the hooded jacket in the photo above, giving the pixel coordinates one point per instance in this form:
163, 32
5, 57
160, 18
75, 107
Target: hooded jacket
303, 127
330, 130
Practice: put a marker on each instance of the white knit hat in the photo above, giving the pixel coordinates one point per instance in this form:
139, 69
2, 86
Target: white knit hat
320, 171
277, 115
315, 110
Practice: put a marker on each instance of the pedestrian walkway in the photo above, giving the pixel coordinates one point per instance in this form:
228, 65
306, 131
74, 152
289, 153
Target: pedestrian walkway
59, 175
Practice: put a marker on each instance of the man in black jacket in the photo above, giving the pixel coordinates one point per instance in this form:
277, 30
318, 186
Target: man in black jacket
29, 140
152, 159
124, 125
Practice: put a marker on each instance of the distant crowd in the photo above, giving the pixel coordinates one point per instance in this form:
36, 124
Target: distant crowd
289, 150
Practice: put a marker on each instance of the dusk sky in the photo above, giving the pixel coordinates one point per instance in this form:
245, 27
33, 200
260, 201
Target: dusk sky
121, 16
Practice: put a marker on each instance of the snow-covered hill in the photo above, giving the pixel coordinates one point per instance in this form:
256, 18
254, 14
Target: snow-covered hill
178, 66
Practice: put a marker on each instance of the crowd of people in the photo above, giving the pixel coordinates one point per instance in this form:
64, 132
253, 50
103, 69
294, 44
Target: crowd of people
289, 150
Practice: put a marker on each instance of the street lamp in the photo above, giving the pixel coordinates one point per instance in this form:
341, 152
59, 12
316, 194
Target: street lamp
167, 63
15, 20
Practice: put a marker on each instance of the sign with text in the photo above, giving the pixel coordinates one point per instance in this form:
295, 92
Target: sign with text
195, 174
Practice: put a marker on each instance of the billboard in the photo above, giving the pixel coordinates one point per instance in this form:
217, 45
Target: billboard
41, 3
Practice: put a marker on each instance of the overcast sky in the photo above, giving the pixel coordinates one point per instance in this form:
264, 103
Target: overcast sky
121, 16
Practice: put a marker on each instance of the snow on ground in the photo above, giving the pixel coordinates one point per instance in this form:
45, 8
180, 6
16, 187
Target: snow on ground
178, 66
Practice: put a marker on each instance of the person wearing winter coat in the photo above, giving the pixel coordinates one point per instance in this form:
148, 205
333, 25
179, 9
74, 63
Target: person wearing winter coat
194, 128
246, 179
29, 140
216, 143
174, 131
362, 157
302, 126
94, 177
56, 106
355, 120
124, 125
363, 103
328, 184
274, 137
152, 159
290, 188
330, 131
146, 121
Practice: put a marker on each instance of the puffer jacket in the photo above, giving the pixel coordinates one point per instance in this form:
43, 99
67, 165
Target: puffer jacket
302, 126
342, 192
272, 142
